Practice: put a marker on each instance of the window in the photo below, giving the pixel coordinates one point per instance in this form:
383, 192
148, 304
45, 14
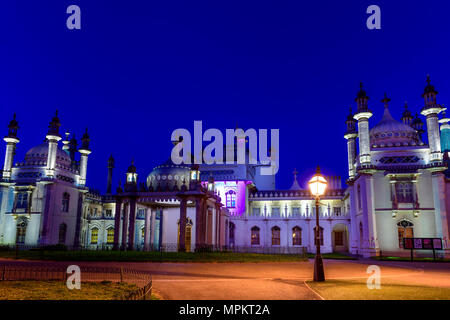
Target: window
296, 212
108, 213
338, 238
404, 192
22, 200
405, 230
320, 235
62, 233
110, 235
256, 212
255, 236
337, 211
65, 202
94, 235
22, 224
230, 198
296, 236
275, 211
276, 236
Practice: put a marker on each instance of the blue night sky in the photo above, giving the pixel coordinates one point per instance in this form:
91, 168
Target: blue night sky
137, 70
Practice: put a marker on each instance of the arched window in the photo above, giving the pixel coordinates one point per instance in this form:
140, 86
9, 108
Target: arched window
110, 235
65, 202
230, 198
297, 236
94, 235
62, 233
255, 235
276, 236
405, 230
320, 235
22, 224
187, 234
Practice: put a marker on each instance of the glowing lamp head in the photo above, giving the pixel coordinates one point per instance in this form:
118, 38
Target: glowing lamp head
195, 173
317, 184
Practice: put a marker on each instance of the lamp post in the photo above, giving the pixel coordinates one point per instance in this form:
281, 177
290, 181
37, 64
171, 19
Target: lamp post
317, 186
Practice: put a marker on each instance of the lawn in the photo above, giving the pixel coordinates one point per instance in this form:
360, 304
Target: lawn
357, 290
338, 256
57, 290
134, 256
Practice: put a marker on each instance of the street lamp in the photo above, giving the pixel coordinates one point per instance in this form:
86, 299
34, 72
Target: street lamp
317, 186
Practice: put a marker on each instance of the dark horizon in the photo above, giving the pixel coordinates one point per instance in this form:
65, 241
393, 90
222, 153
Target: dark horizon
135, 73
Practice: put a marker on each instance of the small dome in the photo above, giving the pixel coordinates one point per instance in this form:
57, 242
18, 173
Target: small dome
390, 132
38, 156
169, 176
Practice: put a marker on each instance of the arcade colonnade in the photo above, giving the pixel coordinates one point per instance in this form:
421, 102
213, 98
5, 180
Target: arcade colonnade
176, 216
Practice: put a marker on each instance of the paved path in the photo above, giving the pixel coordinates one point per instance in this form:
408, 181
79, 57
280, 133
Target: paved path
285, 280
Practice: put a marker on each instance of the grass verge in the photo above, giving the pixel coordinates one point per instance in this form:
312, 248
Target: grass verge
136, 256
357, 290
57, 290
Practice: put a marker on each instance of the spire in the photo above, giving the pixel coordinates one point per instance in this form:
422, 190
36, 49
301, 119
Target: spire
407, 116
13, 127
385, 100
111, 162
429, 94
85, 141
350, 122
295, 185
361, 99
53, 127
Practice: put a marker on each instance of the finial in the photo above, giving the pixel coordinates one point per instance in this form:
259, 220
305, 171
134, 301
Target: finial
385, 100
318, 170
295, 172
428, 79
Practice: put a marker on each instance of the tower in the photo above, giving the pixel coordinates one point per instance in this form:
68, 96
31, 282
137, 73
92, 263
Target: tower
53, 137
84, 151
407, 116
362, 116
110, 173
431, 111
11, 141
351, 136
417, 124
445, 135
66, 142
131, 182
73, 147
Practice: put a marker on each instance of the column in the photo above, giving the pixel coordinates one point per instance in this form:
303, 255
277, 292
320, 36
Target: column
117, 218
182, 239
125, 225
132, 226
440, 212
152, 229
198, 223
147, 229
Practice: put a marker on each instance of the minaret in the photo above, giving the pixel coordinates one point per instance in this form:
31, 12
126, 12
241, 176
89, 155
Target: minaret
66, 142
445, 135
84, 151
362, 116
73, 148
11, 141
407, 116
53, 137
131, 182
110, 173
417, 124
431, 111
351, 136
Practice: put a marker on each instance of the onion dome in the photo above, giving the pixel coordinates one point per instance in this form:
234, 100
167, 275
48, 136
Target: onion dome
131, 168
37, 156
429, 88
169, 176
85, 141
392, 133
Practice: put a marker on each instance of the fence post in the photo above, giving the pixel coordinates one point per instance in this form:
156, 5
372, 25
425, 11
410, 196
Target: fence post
3, 273
121, 274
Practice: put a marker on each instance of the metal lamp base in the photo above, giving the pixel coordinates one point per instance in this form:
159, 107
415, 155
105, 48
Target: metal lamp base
319, 274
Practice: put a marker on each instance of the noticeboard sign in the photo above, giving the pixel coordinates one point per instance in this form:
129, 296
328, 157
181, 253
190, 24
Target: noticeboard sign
422, 243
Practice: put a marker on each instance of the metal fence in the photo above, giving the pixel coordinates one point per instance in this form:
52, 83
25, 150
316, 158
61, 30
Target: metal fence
26, 272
